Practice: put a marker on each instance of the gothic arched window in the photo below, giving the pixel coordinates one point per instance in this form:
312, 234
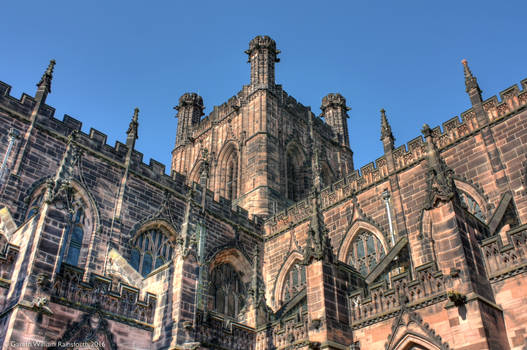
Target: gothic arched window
296, 182
75, 237
232, 177
294, 282
472, 206
228, 172
365, 252
150, 250
227, 290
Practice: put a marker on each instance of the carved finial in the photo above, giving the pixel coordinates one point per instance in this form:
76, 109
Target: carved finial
315, 161
61, 183
45, 81
386, 129
471, 82
134, 124
440, 181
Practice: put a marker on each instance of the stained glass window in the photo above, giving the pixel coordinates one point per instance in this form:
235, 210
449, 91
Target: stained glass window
76, 235
151, 249
472, 206
227, 289
366, 252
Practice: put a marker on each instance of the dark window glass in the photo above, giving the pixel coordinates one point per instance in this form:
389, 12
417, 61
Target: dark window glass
368, 252
155, 249
227, 289
147, 264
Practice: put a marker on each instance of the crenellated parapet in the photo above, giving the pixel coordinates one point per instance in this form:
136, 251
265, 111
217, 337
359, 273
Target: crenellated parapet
405, 156
219, 332
120, 302
94, 143
506, 260
383, 302
290, 331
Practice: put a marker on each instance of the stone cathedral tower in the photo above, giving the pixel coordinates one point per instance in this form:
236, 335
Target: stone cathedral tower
258, 142
264, 236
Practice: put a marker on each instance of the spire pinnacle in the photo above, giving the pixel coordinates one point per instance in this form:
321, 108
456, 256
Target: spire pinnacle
45, 81
386, 129
132, 129
470, 81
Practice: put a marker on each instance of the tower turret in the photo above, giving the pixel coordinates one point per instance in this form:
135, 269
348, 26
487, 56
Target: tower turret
262, 57
190, 110
334, 110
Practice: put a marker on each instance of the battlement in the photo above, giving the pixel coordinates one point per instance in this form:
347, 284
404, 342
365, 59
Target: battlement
503, 261
120, 302
95, 142
406, 155
382, 302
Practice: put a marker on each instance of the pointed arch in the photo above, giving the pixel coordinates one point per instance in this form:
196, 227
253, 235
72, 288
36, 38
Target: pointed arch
152, 246
474, 200
296, 180
413, 341
294, 257
357, 227
234, 257
229, 274
228, 171
195, 172
327, 174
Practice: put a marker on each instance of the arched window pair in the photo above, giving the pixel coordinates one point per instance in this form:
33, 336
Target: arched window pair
227, 290
366, 252
151, 249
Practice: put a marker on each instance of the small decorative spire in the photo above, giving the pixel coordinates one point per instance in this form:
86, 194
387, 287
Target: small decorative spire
440, 181
134, 124
315, 161
470, 81
318, 246
386, 129
45, 81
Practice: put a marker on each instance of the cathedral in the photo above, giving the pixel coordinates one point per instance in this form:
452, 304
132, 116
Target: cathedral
264, 236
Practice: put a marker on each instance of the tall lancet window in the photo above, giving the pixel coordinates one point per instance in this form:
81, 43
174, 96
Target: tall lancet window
227, 290
232, 177
294, 282
75, 236
296, 182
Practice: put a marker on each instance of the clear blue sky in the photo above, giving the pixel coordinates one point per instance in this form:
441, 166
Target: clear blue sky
403, 56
